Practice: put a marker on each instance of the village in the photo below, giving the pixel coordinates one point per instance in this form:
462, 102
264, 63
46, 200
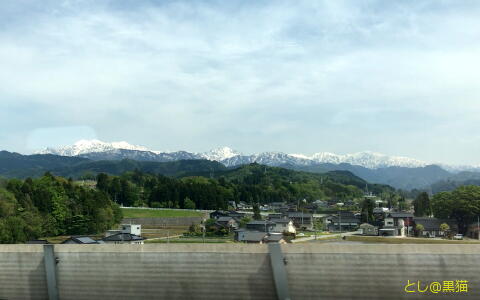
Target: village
279, 222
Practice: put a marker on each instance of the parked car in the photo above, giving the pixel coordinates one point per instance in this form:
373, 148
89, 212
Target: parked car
458, 237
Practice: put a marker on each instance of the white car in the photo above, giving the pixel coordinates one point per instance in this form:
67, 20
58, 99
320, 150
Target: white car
458, 237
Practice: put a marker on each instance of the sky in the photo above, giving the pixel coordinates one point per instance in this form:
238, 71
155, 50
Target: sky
396, 77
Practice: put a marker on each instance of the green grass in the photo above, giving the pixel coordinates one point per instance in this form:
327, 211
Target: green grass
158, 213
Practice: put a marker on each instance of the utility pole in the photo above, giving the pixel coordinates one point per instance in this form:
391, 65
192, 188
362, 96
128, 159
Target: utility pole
478, 227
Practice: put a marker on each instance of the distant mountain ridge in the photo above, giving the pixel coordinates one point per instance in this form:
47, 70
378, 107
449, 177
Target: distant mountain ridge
117, 161
98, 150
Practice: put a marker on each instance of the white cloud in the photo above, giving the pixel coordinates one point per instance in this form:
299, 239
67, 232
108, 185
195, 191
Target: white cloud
287, 76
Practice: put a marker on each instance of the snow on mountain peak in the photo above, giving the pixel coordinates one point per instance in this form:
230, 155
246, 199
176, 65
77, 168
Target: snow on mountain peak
90, 146
230, 157
368, 159
220, 154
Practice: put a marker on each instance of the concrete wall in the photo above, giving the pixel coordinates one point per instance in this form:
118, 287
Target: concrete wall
175, 221
236, 271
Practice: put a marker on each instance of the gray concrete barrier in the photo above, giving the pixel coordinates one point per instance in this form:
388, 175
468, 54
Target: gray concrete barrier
239, 271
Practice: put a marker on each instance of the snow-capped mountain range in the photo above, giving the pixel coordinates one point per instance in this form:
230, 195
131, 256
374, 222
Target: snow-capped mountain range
98, 150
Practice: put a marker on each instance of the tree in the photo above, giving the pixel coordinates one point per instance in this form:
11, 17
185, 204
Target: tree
244, 221
422, 206
462, 204
444, 227
256, 212
189, 204
367, 210
419, 229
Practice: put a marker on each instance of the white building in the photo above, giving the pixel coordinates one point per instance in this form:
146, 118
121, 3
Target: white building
283, 225
129, 234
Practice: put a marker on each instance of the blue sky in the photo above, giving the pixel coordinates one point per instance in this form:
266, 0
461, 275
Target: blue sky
397, 77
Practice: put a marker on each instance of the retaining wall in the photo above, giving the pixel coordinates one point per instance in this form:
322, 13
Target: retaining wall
237, 271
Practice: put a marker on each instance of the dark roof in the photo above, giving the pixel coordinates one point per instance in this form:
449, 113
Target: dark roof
346, 213
225, 219
254, 236
275, 215
81, 240
281, 220
260, 222
123, 237
433, 223
400, 215
346, 219
299, 214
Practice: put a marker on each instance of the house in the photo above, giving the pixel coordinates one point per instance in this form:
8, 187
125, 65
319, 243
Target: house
244, 206
344, 221
135, 229
432, 226
218, 213
320, 203
277, 205
83, 240
368, 229
283, 225
397, 224
123, 238
301, 220
227, 222
128, 234
275, 216
236, 215
260, 225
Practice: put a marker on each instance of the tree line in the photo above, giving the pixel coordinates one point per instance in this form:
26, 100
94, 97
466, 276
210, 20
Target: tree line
52, 206
253, 184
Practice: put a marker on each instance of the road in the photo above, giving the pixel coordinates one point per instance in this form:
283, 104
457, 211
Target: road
322, 237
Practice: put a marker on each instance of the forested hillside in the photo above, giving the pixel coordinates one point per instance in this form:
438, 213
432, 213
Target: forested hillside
50, 206
253, 183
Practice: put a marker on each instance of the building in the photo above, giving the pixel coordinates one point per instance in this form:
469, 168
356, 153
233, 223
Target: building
301, 220
431, 226
128, 234
82, 240
368, 229
218, 213
227, 222
135, 229
260, 225
397, 224
344, 221
283, 225
123, 238
275, 216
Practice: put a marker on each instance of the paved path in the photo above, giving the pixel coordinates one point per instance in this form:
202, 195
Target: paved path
322, 237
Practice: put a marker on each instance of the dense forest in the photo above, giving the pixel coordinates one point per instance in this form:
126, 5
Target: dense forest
252, 183
50, 206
